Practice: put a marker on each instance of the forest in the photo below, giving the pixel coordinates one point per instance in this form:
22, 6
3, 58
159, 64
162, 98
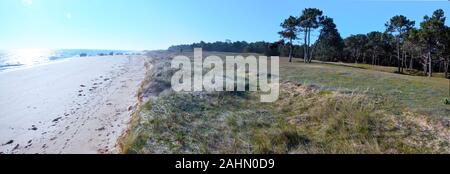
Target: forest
420, 50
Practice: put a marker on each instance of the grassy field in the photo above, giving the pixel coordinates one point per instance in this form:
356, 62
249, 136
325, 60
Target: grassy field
323, 108
415, 93
388, 69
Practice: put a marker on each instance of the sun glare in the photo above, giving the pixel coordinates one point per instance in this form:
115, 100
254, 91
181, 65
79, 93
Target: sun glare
30, 56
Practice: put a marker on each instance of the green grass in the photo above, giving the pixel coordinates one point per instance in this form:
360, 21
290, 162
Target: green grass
388, 69
416, 93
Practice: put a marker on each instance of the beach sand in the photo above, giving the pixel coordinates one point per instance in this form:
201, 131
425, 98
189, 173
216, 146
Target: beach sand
81, 105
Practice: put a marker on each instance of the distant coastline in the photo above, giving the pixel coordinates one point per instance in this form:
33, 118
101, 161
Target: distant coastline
14, 59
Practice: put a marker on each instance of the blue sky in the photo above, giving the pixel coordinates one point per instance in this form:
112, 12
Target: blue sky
157, 24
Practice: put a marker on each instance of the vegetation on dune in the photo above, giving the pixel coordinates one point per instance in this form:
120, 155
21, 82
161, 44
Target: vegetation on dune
305, 120
309, 117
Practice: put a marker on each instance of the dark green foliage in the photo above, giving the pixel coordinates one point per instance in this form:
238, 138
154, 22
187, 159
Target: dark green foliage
330, 45
309, 20
399, 25
356, 46
289, 32
266, 48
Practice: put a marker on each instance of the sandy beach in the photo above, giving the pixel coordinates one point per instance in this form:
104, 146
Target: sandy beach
81, 105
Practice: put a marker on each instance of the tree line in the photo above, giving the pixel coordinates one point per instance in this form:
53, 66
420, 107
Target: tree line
425, 48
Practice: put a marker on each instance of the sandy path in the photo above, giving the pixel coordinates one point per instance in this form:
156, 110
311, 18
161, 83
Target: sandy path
76, 106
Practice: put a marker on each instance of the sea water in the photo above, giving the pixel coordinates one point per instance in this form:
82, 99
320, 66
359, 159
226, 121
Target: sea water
11, 59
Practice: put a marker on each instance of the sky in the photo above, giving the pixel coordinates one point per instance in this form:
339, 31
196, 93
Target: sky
158, 24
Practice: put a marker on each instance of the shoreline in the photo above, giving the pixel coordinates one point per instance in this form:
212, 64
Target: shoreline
81, 105
24, 67
124, 138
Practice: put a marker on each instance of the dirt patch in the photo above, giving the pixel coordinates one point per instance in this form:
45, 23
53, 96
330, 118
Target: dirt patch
295, 89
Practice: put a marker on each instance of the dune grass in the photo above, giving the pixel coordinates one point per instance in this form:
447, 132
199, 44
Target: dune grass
304, 120
322, 109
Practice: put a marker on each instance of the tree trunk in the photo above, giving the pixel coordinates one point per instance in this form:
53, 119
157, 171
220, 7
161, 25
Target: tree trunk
364, 58
398, 54
411, 62
390, 60
373, 59
311, 53
305, 49
404, 65
309, 44
406, 60
290, 51
440, 67
430, 70
425, 67
446, 68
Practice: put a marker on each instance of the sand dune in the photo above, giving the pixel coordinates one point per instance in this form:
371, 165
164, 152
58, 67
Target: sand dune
80, 105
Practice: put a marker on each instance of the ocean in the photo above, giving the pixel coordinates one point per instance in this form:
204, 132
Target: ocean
11, 59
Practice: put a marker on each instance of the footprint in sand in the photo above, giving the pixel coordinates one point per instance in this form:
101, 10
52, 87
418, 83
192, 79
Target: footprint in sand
29, 144
33, 127
16, 147
9, 142
57, 119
